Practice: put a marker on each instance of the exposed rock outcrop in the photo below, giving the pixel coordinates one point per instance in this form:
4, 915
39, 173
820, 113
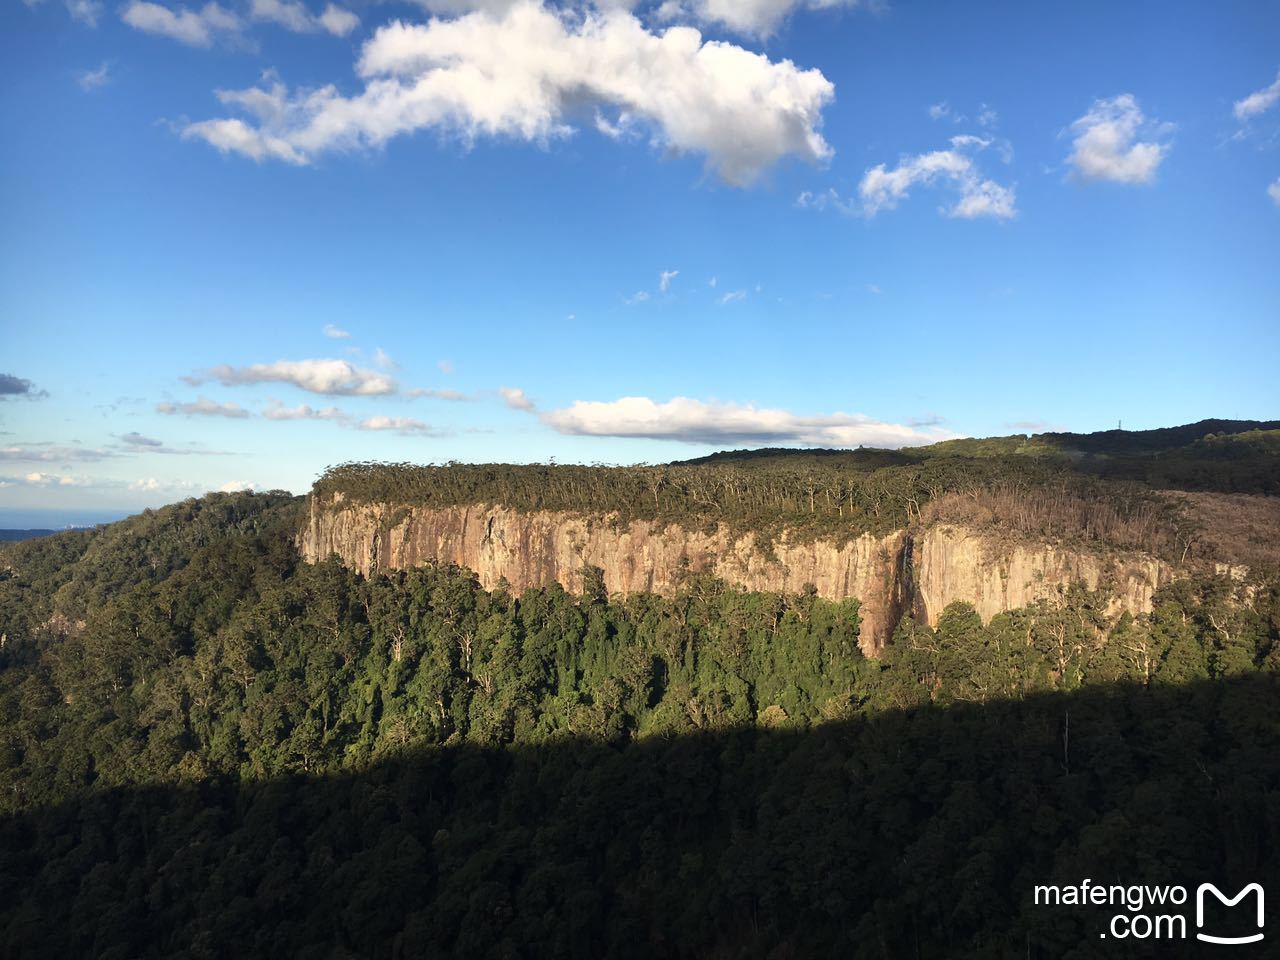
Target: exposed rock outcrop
891, 575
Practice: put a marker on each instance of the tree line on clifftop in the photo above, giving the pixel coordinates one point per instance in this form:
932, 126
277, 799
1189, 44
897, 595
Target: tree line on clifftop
1132, 491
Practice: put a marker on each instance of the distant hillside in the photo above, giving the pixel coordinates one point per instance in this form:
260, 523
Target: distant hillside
76, 571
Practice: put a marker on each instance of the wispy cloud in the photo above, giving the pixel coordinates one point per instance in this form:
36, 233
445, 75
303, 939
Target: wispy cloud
196, 28
136, 439
328, 377
1258, 102
716, 423
53, 453
1107, 144
809, 200
51, 480
665, 278
732, 296
640, 296
203, 407
405, 426
135, 442
91, 80
335, 333
85, 11
275, 410
296, 17
437, 393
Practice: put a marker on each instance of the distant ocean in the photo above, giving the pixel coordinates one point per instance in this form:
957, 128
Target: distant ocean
31, 518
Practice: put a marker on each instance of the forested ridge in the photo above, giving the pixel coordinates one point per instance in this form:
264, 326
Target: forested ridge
209, 748
1140, 490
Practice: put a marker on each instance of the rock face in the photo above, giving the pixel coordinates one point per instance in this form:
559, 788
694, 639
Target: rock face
891, 575
951, 563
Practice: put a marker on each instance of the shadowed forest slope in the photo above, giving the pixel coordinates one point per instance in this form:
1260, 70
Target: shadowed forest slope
210, 748
911, 833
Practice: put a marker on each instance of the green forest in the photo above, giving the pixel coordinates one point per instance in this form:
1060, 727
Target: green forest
211, 749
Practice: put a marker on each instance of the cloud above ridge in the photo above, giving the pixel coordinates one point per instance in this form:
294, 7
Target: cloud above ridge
715, 423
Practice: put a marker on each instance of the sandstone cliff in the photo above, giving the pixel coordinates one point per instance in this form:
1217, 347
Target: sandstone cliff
893, 575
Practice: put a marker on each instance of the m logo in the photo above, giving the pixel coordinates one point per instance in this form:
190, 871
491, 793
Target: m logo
1251, 888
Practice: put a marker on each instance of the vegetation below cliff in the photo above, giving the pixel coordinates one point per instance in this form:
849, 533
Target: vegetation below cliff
241, 754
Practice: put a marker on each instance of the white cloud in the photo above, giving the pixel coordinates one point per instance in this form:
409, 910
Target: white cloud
239, 486
334, 332
296, 17
328, 377
1273, 192
90, 80
695, 421
733, 296
236, 136
640, 296
1258, 102
753, 18
882, 189
338, 21
407, 426
85, 11
383, 359
665, 278
1107, 147
198, 28
939, 110
204, 407
276, 410
524, 74
516, 399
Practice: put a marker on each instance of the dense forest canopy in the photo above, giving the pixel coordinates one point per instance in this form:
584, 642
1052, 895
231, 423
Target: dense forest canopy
209, 748
1131, 490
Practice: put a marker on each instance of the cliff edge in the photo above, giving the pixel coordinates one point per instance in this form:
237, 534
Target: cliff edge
917, 572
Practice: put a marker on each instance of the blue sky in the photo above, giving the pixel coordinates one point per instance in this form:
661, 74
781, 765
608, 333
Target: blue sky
880, 224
